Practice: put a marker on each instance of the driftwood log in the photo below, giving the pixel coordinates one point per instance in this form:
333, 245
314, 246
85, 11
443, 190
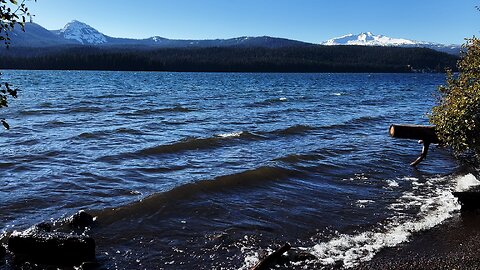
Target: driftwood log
425, 134
269, 260
415, 132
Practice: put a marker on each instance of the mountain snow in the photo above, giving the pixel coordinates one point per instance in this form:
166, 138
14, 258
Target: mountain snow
82, 33
369, 39
157, 39
77, 32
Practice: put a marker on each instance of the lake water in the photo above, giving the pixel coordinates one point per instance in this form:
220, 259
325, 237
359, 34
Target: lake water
201, 171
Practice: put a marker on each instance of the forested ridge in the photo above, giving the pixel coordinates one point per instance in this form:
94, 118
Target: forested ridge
231, 59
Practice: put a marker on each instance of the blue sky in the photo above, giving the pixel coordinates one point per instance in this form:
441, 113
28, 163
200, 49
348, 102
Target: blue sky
307, 20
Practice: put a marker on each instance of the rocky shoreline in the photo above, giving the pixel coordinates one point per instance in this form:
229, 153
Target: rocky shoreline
451, 245
63, 244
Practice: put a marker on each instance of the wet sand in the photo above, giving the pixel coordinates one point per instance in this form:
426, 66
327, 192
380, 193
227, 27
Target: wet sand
455, 244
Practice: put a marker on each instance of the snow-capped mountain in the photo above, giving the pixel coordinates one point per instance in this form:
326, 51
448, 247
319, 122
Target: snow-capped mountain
369, 39
81, 32
77, 33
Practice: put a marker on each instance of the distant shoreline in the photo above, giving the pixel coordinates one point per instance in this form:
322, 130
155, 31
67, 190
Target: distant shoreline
315, 59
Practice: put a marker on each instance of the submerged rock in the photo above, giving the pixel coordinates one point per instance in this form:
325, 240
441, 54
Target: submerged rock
81, 220
51, 247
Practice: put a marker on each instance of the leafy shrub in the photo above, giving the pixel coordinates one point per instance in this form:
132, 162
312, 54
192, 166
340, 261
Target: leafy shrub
457, 114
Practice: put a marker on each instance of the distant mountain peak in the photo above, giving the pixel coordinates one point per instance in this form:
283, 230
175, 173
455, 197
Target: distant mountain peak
369, 39
79, 33
157, 39
82, 33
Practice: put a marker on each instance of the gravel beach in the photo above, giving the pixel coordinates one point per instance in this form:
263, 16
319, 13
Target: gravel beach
455, 244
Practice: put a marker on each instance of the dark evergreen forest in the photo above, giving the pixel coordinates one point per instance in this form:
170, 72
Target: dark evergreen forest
231, 59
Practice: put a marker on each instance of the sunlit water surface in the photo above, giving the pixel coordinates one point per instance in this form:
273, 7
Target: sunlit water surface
201, 171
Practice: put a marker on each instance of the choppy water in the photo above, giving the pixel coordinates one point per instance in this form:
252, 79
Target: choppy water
201, 171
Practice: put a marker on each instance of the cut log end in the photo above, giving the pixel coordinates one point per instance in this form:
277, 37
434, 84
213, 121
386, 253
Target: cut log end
391, 131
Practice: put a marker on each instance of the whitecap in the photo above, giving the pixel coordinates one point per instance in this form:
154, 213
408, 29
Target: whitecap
231, 134
466, 182
363, 203
353, 249
435, 204
392, 183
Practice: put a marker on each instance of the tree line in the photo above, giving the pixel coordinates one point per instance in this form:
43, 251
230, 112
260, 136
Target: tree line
231, 59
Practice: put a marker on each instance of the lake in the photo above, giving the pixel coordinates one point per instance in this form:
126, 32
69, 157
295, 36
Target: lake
202, 170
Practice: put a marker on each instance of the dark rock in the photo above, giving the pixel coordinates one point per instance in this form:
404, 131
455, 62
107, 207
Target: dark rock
3, 252
470, 200
51, 247
81, 220
42, 227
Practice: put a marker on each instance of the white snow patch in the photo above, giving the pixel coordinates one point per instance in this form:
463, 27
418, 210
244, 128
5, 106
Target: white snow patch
369, 39
82, 33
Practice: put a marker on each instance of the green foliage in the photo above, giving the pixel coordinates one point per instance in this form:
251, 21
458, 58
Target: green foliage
12, 13
457, 115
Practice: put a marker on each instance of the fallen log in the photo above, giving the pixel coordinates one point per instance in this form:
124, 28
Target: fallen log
415, 132
268, 261
425, 134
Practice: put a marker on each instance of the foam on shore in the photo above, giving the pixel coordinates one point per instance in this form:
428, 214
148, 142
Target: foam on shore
435, 203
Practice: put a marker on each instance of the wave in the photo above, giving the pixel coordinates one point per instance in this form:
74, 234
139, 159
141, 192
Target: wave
105, 133
228, 183
296, 158
112, 96
157, 111
435, 204
356, 122
55, 123
365, 119
270, 101
45, 111
208, 143
195, 144
85, 109
294, 130
46, 105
